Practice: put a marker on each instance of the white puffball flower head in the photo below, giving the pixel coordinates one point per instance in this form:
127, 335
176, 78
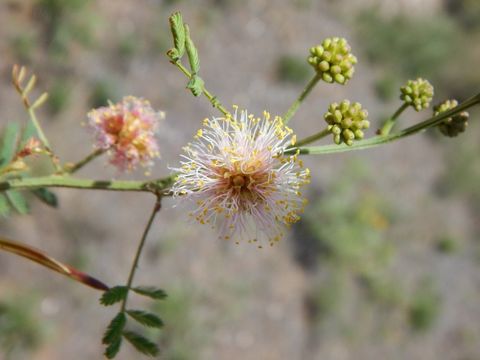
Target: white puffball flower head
237, 174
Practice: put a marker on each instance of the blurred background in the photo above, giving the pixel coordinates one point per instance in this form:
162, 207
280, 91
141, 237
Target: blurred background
384, 265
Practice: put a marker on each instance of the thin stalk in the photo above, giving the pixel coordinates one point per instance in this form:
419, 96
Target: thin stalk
47, 261
313, 138
213, 99
42, 137
296, 104
131, 275
158, 185
41, 134
380, 139
77, 166
390, 122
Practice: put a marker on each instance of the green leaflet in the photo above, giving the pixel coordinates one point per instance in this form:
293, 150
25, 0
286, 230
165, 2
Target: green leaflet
114, 329
141, 343
178, 32
17, 201
114, 295
113, 348
196, 85
151, 292
145, 318
192, 52
113, 335
8, 145
46, 196
4, 206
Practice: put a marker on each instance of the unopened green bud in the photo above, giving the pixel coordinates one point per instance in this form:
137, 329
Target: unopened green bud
455, 124
327, 77
339, 78
346, 121
333, 60
359, 134
417, 93
324, 66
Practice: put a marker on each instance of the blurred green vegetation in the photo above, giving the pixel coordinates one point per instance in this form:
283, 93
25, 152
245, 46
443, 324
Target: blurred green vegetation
128, 45
462, 170
466, 12
387, 87
21, 331
66, 22
447, 244
293, 69
350, 221
417, 47
347, 230
403, 47
182, 337
23, 47
59, 95
424, 308
102, 91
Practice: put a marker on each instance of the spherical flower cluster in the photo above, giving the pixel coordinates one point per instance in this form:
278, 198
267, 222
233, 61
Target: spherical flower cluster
346, 121
126, 130
242, 183
333, 60
417, 93
453, 125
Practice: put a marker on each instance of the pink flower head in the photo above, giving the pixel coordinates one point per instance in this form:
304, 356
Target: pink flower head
238, 176
127, 131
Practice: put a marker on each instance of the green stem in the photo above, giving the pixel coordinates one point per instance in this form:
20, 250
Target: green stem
155, 186
390, 122
75, 167
156, 209
41, 134
379, 140
296, 104
313, 138
42, 137
213, 99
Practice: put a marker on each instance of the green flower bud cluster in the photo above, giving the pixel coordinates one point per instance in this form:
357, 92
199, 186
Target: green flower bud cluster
346, 121
417, 93
332, 60
454, 125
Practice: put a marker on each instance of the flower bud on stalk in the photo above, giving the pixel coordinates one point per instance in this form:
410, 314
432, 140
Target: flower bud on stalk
417, 93
333, 60
346, 121
454, 125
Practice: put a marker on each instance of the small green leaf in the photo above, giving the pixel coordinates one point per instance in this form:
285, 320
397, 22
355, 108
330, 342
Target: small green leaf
4, 206
151, 292
46, 196
18, 201
195, 85
113, 348
191, 52
114, 295
114, 329
8, 143
145, 318
178, 32
141, 343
